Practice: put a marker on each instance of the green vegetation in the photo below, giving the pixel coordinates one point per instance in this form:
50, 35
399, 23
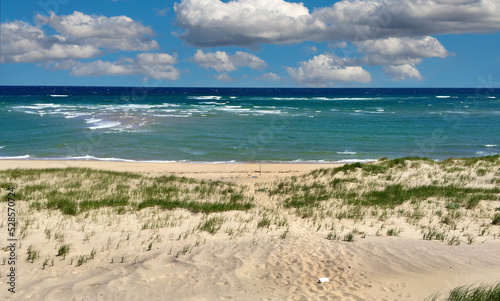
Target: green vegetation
32, 254
469, 293
496, 219
481, 293
212, 225
63, 250
77, 190
384, 185
393, 232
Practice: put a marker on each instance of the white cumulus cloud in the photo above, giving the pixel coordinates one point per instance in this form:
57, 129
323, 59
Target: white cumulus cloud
24, 43
400, 50
326, 69
150, 65
270, 76
120, 32
402, 72
211, 23
223, 62
385, 32
78, 36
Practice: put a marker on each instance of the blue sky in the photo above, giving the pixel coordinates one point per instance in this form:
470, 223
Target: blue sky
244, 43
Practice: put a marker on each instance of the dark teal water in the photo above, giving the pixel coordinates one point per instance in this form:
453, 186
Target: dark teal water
247, 125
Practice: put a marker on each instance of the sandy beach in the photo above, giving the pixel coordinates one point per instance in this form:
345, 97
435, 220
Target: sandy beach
273, 251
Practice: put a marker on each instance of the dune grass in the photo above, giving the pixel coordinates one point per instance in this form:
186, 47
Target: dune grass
385, 184
77, 190
471, 293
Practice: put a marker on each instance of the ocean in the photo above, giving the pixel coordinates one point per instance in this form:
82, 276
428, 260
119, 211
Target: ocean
246, 124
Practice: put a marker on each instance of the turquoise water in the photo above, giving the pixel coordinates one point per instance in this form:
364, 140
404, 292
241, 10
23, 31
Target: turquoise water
246, 125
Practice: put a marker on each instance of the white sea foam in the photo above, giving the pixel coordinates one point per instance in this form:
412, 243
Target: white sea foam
267, 112
234, 109
347, 98
492, 97
290, 98
58, 95
105, 125
15, 157
38, 106
443, 96
483, 153
457, 112
90, 157
212, 103
92, 120
357, 160
491, 145
70, 115
2, 146
205, 97
346, 153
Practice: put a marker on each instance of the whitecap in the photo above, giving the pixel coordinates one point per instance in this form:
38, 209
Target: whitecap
483, 153
90, 157
233, 109
491, 145
457, 112
443, 96
2, 146
267, 112
58, 95
346, 153
15, 157
357, 160
205, 97
289, 98
212, 103
74, 115
348, 98
105, 125
92, 120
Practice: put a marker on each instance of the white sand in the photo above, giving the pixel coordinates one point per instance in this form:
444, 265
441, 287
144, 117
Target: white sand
249, 264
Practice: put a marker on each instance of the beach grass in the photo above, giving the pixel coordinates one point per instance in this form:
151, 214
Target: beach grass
77, 190
386, 184
471, 293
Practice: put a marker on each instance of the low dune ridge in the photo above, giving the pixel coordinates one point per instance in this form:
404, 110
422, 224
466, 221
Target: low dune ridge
403, 229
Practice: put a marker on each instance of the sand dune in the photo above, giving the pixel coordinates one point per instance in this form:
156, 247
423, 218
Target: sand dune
135, 260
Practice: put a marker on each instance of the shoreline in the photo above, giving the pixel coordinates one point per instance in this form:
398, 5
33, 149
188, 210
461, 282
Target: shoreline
237, 172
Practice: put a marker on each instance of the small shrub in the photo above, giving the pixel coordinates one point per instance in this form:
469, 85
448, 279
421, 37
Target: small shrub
454, 241
81, 260
32, 254
332, 236
393, 232
264, 222
212, 225
349, 237
496, 219
452, 206
63, 250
